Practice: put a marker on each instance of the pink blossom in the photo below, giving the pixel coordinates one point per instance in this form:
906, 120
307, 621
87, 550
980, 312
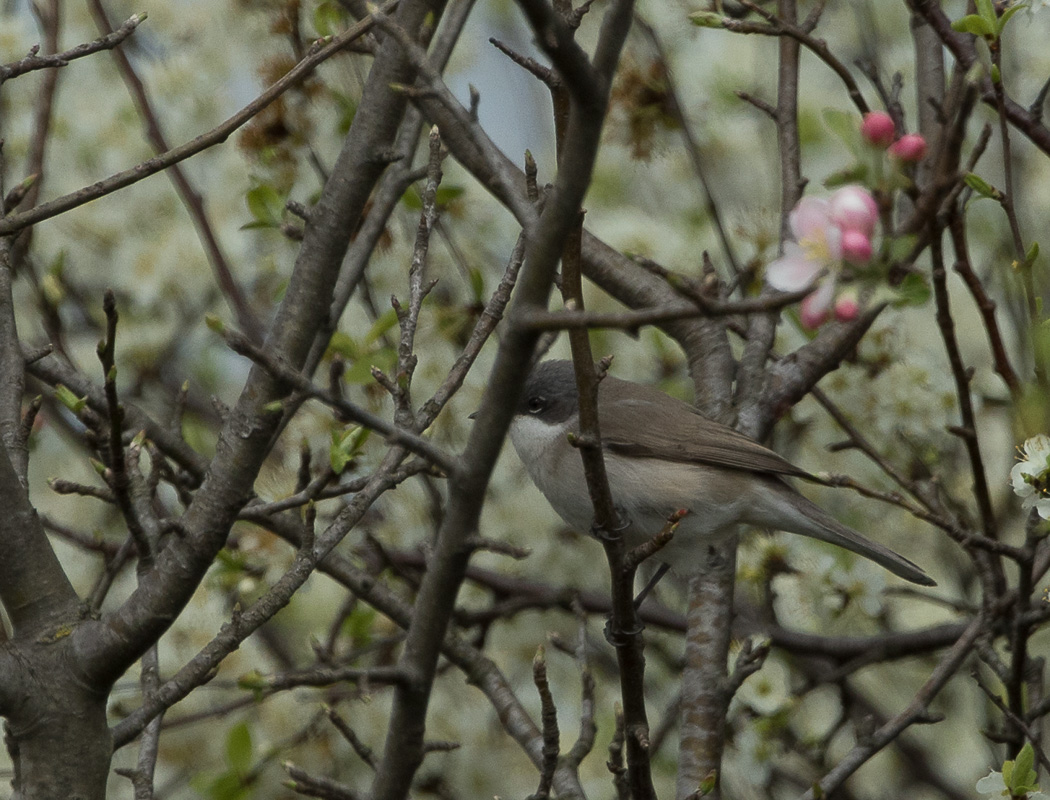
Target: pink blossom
794, 270
853, 208
847, 306
856, 247
878, 129
825, 232
909, 148
810, 222
817, 245
815, 308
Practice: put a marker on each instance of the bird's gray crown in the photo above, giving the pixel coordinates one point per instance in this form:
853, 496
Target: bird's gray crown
550, 393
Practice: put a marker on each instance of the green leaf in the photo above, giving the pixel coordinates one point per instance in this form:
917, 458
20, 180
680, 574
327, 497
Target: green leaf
446, 194
53, 289
344, 345
858, 173
255, 225
1021, 778
708, 784
337, 457
1006, 16
913, 291
358, 625
57, 267
66, 397
357, 439
975, 72
361, 370
266, 205
1008, 771
328, 18
215, 323
477, 284
253, 680
239, 747
707, 19
900, 247
974, 24
1031, 255
226, 786
412, 200
347, 111
845, 125
231, 561
987, 11
386, 321
345, 445
443, 196
981, 186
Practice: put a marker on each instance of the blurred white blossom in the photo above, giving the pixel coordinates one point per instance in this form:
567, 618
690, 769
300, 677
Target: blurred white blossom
768, 690
1031, 475
860, 585
754, 755
993, 785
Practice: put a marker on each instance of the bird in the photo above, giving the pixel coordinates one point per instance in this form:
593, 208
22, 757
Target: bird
661, 456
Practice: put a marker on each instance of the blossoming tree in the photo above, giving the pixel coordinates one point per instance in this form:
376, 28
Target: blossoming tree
245, 498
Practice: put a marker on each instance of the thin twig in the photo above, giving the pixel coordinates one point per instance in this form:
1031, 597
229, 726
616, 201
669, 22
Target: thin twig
549, 719
781, 25
191, 198
630, 320
16, 222
916, 712
117, 473
34, 61
410, 440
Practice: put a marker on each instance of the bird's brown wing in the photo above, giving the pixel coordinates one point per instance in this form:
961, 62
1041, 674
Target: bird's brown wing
655, 425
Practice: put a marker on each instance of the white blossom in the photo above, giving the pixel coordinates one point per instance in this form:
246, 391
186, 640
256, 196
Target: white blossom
1031, 475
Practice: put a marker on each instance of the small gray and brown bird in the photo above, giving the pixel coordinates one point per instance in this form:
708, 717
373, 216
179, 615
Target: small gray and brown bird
662, 455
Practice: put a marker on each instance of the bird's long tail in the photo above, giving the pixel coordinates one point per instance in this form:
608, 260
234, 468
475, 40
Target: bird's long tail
811, 520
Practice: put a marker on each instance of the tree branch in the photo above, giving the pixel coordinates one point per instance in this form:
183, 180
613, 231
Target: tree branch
13, 223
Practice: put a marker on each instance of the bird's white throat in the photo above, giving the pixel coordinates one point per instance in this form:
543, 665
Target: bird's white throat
533, 439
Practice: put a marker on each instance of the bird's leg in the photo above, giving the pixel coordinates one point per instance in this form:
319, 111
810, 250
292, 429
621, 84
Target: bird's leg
603, 534
650, 548
616, 637
660, 572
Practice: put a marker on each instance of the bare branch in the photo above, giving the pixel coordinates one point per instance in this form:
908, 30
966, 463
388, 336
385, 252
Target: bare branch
916, 712
33, 61
16, 222
190, 197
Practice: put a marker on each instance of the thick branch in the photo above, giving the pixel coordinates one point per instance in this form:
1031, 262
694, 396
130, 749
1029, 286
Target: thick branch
247, 436
12, 372
33, 588
435, 602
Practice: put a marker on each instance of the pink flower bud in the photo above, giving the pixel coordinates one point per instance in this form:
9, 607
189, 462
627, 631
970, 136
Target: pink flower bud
852, 208
909, 148
847, 307
878, 129
856, 247
814, 311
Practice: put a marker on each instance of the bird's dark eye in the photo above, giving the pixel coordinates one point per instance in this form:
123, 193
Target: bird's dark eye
536, 404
